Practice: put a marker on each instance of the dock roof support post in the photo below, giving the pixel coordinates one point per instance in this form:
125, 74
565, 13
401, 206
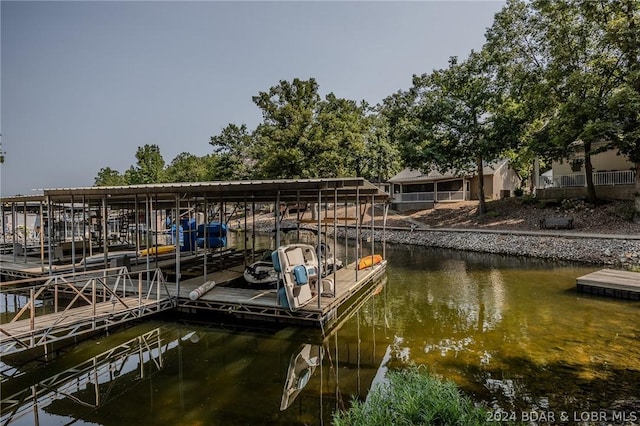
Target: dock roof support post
244, 231
105, 232
24, 213
155, 226
357, 228
277, 228
13, 230
177, 243
277, 213
147, 219
136, 215
73, 235
373, 224
318, 252
384, 230
40, 234
253, 228
49, 234
335, 236
84, 231
346, 234
4, 226
205, 227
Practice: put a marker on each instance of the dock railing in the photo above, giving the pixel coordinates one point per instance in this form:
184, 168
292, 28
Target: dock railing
99, 299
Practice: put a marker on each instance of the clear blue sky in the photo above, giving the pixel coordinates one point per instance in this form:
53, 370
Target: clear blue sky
84, 84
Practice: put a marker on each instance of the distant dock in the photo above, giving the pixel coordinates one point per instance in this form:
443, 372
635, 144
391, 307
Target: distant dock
611, 283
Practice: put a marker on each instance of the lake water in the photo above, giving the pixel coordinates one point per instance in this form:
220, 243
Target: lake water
512, 333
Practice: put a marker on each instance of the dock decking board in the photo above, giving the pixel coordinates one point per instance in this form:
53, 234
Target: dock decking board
610, 282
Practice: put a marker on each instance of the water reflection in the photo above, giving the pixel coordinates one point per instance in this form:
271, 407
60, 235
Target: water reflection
167, 372
512, 332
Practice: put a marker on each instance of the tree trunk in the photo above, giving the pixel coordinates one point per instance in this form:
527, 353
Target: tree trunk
482, 208
588, 171
636, 193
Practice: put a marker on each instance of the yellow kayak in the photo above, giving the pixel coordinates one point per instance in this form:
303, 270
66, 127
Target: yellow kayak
157, 250
369, 261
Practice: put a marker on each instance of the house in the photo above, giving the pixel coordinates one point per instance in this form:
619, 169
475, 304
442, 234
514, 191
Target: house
613, 176
411, 189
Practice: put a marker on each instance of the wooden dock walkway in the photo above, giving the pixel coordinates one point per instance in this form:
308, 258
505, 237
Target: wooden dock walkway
99, 300
612, 283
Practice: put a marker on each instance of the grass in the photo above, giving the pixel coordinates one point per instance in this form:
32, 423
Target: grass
413, 397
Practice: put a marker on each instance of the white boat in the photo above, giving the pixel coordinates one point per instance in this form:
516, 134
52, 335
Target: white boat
297, 266
261, 274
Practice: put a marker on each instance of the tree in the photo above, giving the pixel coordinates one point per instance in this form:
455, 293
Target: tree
459, 120
381, 158
149, 167
572, 58
187, 167
109, 177
305, 136
285, 140
233, 151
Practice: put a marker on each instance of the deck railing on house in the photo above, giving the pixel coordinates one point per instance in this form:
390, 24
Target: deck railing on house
409, 197
416, 196
621, 177
450, 195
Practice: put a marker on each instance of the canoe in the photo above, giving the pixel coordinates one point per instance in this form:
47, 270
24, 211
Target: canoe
157, 250
369, 261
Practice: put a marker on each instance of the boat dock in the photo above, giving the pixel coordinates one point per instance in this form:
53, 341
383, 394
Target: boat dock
257, 304
68, 306
611, 283
118, 224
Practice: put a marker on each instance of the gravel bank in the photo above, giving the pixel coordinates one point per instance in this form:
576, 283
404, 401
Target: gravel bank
607, 251
613, 252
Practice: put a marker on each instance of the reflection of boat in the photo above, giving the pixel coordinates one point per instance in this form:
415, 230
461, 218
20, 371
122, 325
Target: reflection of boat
262, 274
298, 268
369, 261
301, 368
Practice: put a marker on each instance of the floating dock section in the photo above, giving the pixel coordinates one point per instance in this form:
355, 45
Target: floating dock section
611, 283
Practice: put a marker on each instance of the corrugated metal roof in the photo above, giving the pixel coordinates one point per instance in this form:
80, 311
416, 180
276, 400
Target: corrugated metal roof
235, 191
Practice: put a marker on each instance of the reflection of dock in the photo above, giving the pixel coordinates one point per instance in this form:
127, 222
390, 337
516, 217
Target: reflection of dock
22, 394
610, 282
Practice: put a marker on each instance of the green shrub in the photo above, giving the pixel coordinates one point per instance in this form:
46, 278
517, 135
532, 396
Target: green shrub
413, 397
518, 192
528, 200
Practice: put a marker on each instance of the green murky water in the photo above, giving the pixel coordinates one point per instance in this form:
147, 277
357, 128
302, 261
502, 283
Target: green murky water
511, 332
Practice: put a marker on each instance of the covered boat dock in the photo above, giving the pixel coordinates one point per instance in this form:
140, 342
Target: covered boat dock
131, 226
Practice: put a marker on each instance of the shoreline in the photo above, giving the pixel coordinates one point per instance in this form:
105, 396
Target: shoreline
603, 250
598, 249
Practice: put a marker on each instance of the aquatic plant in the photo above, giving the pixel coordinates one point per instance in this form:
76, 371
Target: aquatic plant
413, 397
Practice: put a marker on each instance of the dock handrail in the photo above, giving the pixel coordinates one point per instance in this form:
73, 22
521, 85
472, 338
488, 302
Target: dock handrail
91, 292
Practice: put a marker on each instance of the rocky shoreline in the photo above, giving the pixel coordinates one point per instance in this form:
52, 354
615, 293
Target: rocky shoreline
604, 251
614, 252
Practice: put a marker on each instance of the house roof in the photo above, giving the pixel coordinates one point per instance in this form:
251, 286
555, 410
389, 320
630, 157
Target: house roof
415, 175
